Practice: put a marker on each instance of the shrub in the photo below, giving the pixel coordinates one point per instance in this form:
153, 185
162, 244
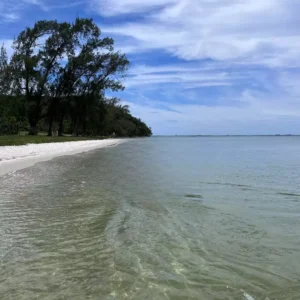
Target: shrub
8, 126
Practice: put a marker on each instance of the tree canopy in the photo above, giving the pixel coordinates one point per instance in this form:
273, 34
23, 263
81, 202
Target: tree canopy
58, 77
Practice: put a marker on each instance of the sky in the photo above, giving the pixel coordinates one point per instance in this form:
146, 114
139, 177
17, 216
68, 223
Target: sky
197, 66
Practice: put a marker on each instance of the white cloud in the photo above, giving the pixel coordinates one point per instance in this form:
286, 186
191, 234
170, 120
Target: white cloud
255, 32
117, 7
10, 10
250, 48
289, 83
35, 2
186, 76
259, 115
9, 17
268, 100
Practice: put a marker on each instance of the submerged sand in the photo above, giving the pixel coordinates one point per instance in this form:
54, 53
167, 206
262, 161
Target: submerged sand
13, 158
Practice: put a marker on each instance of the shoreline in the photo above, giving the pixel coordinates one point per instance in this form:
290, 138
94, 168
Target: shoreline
14, 158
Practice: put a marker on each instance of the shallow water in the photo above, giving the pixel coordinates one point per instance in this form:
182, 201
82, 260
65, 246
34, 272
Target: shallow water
160, 218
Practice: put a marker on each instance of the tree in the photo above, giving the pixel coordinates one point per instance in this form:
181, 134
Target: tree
46, 68
93, 68
58, 76
4, 83
34, 63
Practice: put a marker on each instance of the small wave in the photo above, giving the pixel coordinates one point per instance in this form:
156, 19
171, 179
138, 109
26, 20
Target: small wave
193, 196
228, 184
248, 297
289, 194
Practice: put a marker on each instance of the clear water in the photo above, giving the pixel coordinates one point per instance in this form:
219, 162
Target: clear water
160, 218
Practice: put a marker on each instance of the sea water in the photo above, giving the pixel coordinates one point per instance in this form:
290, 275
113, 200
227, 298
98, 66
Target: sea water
159, 218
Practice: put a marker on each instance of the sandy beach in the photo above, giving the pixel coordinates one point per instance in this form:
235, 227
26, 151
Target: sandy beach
13, 158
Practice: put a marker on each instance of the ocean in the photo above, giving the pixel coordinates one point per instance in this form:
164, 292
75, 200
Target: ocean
208, 218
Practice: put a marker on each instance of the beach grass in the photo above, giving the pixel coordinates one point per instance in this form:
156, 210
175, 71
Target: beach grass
17, 140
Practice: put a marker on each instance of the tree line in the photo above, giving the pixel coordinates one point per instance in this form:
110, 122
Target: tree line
57, 80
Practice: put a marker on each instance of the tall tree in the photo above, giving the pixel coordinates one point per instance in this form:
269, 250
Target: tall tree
34, 63
85, 78
59, 74
55, 64
4, 82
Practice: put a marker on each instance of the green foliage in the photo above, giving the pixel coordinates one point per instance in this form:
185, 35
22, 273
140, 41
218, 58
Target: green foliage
12, 112
103, 119
57, 78
4, 83
64, 62
9, 125
118, 120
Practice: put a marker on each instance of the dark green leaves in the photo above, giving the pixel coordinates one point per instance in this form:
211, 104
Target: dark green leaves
62, 70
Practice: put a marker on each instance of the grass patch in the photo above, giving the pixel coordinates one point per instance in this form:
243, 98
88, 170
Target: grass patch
17, 140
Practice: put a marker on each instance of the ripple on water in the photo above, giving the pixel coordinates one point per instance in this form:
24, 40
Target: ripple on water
113, 225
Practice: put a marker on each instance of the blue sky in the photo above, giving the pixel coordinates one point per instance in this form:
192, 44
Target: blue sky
197, 66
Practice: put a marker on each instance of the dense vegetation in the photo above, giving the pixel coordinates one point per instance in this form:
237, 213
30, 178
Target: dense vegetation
57, 80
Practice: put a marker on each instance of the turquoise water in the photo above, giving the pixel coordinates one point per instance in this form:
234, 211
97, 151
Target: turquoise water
160, 218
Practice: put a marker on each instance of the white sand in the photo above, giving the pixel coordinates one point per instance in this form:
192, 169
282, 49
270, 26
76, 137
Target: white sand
13, 158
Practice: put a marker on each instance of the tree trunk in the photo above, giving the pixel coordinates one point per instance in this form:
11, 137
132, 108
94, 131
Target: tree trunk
61, 126
75, 131
75, 128
33, 129
50, 128
34, 116
84, 127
